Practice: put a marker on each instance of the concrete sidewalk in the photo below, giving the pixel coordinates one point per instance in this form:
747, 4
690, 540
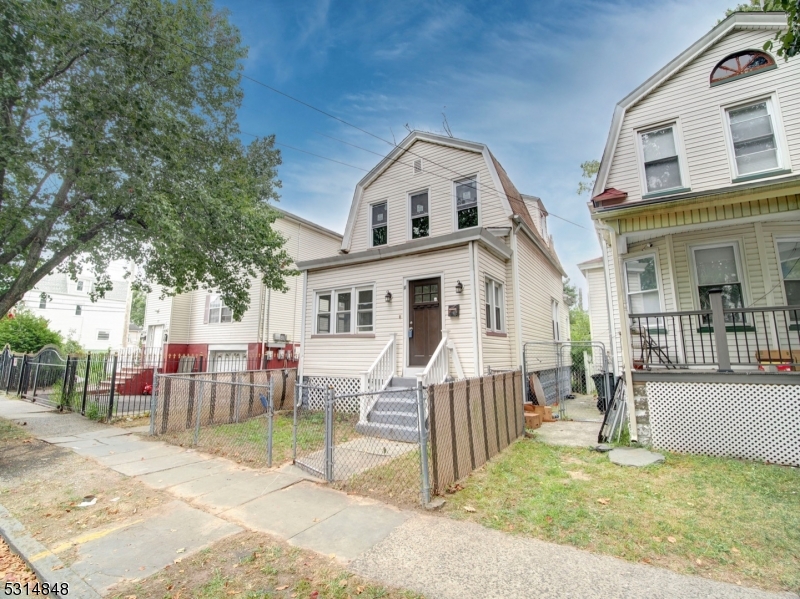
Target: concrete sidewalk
438, 557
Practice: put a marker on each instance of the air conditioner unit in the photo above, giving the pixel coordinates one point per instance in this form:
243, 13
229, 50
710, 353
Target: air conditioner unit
279, 338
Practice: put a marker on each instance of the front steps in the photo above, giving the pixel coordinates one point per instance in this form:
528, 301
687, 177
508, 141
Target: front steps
394, 415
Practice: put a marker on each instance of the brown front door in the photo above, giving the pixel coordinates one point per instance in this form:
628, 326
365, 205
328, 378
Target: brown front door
425, 320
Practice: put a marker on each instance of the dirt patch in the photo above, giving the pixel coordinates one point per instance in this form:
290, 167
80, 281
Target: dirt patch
42, 485
255, 565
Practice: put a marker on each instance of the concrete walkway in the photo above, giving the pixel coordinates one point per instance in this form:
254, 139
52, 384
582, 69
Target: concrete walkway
436, 556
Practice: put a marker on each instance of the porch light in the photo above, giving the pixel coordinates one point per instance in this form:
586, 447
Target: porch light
388, 297
459, 287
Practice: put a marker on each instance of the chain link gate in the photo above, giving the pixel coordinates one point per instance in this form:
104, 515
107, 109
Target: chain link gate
368, 443
560, 369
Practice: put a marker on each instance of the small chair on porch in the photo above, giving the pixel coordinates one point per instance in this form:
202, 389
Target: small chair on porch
650, 350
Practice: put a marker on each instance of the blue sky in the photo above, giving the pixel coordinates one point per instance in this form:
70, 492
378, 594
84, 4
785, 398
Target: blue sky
537, 82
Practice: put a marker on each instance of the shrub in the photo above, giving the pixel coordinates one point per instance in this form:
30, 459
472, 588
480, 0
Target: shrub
26, 333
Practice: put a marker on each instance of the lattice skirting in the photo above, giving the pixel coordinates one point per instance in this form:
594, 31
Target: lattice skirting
342, 385
757, 422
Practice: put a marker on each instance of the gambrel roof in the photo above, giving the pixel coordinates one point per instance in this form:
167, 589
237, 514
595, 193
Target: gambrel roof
768, 21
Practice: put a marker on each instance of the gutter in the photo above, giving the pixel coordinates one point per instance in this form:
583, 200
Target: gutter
427, 244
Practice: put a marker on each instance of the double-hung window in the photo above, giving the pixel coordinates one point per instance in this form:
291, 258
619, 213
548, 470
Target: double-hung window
789, 258
79, 286
494, 306
642, 285
718, 266
379, 224
420, 221
467, 203
219, 312
339, 309
662, 163
753, 139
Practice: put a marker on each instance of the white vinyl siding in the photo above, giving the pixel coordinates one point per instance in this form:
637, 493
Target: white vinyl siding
688, 96
598, 308
443, 166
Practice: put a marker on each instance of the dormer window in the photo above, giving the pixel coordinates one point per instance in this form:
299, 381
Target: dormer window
420, 221
741, 64
379, 224
467, 203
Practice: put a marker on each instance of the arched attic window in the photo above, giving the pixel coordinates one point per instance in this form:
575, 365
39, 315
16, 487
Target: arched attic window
741, 64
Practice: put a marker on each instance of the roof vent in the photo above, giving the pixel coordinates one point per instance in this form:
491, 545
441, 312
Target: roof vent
418, 166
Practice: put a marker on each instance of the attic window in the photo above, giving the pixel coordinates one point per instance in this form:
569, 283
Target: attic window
741, 64
418, 166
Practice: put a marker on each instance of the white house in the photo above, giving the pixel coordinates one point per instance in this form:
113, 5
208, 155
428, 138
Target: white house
445, 269
697, 208
67, 305
268, 336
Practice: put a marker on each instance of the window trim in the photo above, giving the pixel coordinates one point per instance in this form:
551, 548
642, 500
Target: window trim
773, 65
333, 292
222, 306
783, 239
372, 227
736, 244
490, 303
638, 256
456, 182
409, 227
677, 132
782, 149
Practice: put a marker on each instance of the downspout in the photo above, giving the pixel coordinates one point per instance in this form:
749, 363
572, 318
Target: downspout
612, 338
476, 304
476, 340
301, 362
625, 332
517, 296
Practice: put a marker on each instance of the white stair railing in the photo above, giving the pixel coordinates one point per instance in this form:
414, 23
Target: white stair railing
456, 362
378, 377
438, 367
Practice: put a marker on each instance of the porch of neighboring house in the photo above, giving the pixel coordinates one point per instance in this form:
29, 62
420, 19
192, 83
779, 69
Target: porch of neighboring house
710, 299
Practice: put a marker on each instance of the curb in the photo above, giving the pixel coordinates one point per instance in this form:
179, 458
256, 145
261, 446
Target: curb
48, 568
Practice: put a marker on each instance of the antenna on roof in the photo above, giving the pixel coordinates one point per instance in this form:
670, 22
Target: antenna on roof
445, 124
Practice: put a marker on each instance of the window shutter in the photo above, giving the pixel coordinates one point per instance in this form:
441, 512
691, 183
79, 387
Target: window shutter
205, 312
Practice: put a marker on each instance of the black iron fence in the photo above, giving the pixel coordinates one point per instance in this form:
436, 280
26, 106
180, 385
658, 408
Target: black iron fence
767, 338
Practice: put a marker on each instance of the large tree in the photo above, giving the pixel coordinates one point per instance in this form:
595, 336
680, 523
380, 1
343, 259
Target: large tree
118, 140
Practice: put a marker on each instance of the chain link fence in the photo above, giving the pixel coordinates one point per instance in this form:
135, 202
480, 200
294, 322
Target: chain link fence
243, 416
365, 443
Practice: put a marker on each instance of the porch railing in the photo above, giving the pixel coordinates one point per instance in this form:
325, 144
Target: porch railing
438, 366
378, 377
767, 338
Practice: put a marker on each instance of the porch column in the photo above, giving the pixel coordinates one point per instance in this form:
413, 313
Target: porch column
720, 334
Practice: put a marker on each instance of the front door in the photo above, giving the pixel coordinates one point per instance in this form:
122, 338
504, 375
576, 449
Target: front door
425, 320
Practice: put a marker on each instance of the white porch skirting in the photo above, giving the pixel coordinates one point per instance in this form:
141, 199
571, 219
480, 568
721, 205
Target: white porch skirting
750, 421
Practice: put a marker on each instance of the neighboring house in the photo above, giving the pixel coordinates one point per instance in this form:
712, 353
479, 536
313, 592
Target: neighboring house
134, 334
67, 305
445, 269
268, 336
599, 307
697, 207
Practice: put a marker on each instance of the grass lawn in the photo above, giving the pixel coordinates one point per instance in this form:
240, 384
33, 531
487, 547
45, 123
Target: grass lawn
253, 566
246, 442
725, 519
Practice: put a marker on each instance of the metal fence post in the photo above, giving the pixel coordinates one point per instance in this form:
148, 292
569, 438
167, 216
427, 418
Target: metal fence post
36, 376
86, 382
720, 334
238, 400
329, 400
154, 401
298, 391
270, 417
198, 409
64, 384
423, 445
113, 385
